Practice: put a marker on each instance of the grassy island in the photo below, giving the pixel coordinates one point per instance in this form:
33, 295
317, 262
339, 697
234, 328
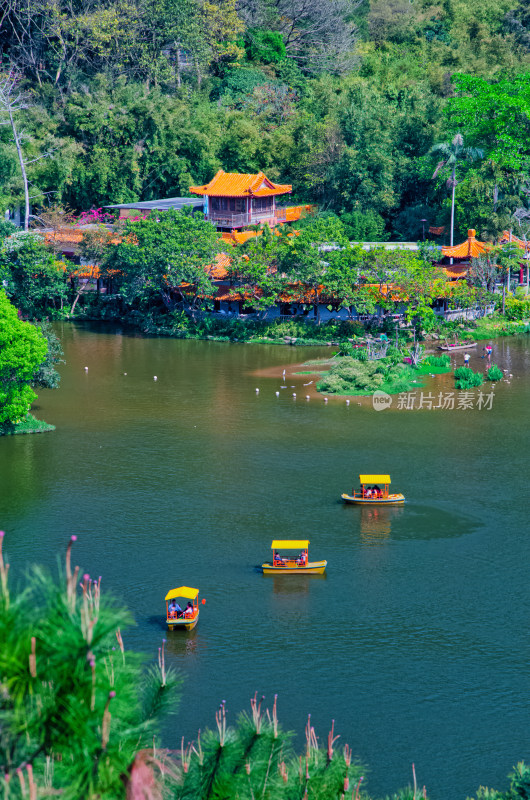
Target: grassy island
351, 372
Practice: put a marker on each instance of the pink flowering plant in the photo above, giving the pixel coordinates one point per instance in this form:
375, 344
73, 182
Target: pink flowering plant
96, 216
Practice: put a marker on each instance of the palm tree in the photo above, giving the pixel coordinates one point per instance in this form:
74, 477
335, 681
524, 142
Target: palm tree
452, 154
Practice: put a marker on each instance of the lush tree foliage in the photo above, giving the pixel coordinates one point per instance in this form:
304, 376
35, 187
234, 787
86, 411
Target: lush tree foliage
46, 375
23, 349
34, 279
167, 255
343, 100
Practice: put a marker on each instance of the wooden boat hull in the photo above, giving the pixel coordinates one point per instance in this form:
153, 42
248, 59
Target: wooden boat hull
311, 568
449, 348
181, 623
391, 500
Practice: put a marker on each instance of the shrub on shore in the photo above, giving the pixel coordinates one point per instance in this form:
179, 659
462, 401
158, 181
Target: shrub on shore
465, 378
494, 373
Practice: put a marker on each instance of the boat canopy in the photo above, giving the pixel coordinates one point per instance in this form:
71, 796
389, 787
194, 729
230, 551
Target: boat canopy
290, 544
182, 591
374, 478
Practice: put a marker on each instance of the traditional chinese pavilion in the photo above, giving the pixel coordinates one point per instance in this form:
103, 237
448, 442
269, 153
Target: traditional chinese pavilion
471, 248
234, 200
461, 254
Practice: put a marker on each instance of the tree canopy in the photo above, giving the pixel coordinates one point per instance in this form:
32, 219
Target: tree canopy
167, 254
23, 349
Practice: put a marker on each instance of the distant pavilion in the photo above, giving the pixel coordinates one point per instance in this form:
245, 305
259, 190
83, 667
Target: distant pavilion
235, 200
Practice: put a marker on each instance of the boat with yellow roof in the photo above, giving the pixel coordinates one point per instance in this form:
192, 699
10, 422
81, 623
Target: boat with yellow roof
297, 565
374, 490
184, 618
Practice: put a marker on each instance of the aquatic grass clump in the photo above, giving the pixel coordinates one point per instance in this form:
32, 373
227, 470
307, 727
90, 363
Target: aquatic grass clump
494, 373
28, 424
438, 361
465, 378
349, 376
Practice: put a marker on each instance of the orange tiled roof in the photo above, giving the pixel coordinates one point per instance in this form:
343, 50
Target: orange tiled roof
236, 184
239, 237
71, 236
471, 248
509, 237
219, 269
455, 271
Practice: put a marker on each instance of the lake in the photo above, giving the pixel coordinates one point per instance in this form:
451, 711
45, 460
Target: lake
416, 641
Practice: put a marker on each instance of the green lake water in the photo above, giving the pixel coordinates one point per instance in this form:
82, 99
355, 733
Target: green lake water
417, 640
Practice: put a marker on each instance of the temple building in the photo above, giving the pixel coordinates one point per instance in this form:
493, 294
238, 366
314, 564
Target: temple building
235, 200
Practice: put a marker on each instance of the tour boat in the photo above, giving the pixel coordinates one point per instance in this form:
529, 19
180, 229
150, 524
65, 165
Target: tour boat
366, 496
299, 565
457, 346
188, 617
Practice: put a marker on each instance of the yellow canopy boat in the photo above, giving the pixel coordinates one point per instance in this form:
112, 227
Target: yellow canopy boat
178, 617
371, 493
299, 565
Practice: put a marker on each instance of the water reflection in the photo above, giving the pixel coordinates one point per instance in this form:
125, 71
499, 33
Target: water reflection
293, 584
184, 644
376, 523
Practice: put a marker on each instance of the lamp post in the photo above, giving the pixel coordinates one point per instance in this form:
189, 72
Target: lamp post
423, 221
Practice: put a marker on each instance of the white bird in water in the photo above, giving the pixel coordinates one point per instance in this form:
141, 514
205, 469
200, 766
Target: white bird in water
277, 394
294, 395
283, 387
257, 391
307, 397
125, 373
347, 402
86, 369
325, 399
308, 384
155, 378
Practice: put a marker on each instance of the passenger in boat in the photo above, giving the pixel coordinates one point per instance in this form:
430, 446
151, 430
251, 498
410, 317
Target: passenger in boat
278, 560
189, 610
174, 609
302, 559
368, 493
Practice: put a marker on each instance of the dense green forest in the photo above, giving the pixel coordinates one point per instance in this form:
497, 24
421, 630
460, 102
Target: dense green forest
119, 100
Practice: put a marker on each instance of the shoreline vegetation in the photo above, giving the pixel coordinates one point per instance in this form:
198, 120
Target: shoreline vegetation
300, 332
29, 424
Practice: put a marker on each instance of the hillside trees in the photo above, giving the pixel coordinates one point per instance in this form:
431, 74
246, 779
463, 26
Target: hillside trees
452, 154
496, 116
141, 99
318, 36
